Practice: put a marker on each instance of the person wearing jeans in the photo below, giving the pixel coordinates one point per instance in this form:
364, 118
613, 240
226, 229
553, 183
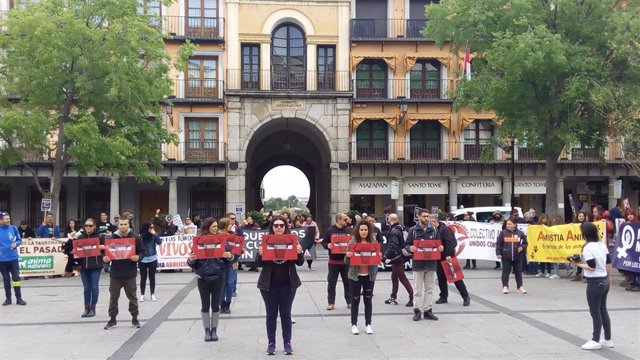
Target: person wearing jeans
90, 267
9, 266
597, 271
511, 247
278, 282
149, 264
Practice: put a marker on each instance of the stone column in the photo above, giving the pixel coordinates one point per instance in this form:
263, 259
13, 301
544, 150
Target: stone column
613, 200
236, 165
114, 207
173, 195
453, 193
560, 196
506, 191
400, 203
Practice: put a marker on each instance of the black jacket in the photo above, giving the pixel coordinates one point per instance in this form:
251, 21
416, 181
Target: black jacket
418, 233
127, 268
395, 241
87, 263
445, 235
264, 280
509, 250
26, 233
211, 267
326, 240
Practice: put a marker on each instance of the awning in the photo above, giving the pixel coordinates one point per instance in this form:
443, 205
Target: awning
411, 58
444, 119
468, 118
359, 118
388, 58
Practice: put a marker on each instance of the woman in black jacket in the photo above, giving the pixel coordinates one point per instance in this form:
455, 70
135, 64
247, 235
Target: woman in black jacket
278, 282
210, 274
511, 247
90, 268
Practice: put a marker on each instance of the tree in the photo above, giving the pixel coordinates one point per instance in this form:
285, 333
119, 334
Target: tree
557, 73
292, 201
274, 203
90, 77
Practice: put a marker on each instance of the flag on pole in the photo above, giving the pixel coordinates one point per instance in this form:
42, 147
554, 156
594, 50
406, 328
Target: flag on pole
467, 65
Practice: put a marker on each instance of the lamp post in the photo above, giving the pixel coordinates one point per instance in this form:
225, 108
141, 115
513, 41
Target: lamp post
403, 106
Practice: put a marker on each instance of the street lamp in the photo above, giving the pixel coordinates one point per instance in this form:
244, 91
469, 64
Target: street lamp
510, 149
403, 106
168, 108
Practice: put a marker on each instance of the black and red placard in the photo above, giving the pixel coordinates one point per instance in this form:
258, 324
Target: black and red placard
426, 249
86, 247
279, 247
365, 254
235, 243
208, 246
452, 270
120, 249
339, 244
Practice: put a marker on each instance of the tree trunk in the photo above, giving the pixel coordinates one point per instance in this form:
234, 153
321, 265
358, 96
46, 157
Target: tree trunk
57, 176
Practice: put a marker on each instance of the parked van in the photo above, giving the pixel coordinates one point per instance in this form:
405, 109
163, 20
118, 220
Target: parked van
484, 213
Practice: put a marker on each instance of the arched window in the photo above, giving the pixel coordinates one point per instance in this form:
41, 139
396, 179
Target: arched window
288, 58
425, 79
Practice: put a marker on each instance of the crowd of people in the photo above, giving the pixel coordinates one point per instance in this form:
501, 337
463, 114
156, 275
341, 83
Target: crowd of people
278, 279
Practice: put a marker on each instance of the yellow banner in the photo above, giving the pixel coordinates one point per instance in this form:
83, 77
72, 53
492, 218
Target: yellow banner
554, 244
41, 257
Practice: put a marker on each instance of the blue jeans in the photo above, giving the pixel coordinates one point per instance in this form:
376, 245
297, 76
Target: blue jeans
90, 282
231, 277
11, 268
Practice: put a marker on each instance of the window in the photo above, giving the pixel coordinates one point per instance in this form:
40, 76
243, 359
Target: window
371, 80
326, 68
425, 140
208, 200
476, 138
152, 9
425, 79
372, 140
251, 66
288, 58
97, 198
202, 77
201, 139
202, 19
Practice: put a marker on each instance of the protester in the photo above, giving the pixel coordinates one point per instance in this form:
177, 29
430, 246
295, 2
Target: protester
232, 277
424, 271
448, 240
361, 277
267, 223
534, 215
26, 232
468, 216
196, 220
149, 263
211, 279
581, 217
511, 246
90, 268
297, 221
278, 282
188, 227
104, 226
9, 266
287, 216
226, 226
336, 262
496, 218
250, 224
631, 280
72, 229
597, 271
47, 229
123, 275
546, 221
394, 253
312, 248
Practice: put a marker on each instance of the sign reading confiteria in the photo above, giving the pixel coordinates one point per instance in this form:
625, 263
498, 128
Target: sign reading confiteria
531, 185
419, 186
479, 185
371, 186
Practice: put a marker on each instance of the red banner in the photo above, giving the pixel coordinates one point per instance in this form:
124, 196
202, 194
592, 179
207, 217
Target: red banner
208, 246
339, 244
279, 247
236, 243
365, 254
427, 249
453, 271
120, 249
86, 248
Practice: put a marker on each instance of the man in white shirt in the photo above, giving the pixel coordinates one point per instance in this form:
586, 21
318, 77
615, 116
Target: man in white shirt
188, 227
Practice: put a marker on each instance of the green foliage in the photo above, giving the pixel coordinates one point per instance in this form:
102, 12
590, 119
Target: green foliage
258, 216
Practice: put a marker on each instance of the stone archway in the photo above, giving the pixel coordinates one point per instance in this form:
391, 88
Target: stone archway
295, 142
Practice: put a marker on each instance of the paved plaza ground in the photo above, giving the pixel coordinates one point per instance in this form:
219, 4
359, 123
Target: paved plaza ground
551, 322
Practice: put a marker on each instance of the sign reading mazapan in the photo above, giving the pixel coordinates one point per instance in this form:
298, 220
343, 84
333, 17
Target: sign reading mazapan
370, 186
287, 104
479, 185
531, 185
420, 186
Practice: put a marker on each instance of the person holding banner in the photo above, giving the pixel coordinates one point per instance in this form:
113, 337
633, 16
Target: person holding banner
149, 264
9, 266
445, 235
47, 229
90, 266
336, 260
511, 247
597, 271
228, 226
123, 273
278, 282
362, 278
211, 279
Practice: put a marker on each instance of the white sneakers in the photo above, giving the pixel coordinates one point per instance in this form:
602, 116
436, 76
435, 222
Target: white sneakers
554, 276
505, 290
141, 298
547, 275
591, 345
354, 330
369, 330
153, 298
607, 343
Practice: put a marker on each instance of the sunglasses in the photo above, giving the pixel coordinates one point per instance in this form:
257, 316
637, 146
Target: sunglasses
278, 225
89, 225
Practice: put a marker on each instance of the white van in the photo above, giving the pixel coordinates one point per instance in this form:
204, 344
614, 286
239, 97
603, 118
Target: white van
484, 213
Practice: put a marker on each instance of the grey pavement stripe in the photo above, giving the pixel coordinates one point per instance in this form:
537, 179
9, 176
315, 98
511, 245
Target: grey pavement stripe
131, 346
336, 314
551, 330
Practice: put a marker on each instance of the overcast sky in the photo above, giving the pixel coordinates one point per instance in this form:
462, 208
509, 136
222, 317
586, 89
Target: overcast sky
284, 181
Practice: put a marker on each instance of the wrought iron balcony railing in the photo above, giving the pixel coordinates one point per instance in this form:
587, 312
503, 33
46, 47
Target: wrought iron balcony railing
194, 151
373, 89
270, 80
378, 29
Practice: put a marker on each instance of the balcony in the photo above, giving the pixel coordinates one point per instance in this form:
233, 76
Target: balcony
376, 150
267, 80
429, 90
193, 28
202, 89
196, 151
385, 29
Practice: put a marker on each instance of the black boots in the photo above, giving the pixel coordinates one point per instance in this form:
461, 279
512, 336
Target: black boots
207, 335
214, 334
428, 315
85, 313
417, 315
